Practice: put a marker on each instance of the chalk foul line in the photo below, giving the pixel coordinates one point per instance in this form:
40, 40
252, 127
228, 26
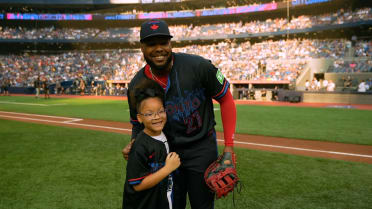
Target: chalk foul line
73, 121
32, 104
32, 115
300, 149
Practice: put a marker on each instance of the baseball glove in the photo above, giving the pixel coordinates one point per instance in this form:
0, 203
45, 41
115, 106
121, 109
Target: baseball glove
221, 176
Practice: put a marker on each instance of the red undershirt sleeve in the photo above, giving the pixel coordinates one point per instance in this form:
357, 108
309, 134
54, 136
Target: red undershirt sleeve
228, 115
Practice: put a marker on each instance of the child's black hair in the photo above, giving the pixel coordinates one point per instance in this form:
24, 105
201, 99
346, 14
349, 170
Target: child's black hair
145, 89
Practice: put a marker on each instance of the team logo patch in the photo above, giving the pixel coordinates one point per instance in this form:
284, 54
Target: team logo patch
219, 76
154, 27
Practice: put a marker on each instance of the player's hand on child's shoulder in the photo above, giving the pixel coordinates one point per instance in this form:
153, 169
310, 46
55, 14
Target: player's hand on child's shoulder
173, 161
127, 149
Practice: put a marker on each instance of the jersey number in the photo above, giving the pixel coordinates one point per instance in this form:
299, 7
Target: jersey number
193, 122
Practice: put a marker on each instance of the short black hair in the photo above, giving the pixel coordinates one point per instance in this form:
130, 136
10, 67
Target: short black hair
145, 89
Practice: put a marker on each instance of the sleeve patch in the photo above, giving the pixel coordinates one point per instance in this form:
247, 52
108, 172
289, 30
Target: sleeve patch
219, 76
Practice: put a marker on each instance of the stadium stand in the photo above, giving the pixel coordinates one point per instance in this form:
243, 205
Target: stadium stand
259, 49
204, 31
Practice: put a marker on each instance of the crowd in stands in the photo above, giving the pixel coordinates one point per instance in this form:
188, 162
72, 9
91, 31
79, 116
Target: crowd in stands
190, 31
271, 25
22, 70
51, 33
267, 60
363, 49
348, 84
342, 66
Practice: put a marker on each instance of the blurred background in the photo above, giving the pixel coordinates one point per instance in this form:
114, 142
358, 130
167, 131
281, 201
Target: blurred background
295, 51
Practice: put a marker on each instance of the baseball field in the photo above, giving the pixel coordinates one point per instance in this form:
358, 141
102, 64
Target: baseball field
48, 165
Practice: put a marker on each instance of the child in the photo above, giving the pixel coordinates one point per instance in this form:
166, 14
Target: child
148, 182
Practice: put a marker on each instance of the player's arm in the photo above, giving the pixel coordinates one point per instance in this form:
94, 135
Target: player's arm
228, 116
172, 163
135, 130
218, 87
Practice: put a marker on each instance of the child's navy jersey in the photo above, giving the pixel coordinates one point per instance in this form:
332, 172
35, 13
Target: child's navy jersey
147, 156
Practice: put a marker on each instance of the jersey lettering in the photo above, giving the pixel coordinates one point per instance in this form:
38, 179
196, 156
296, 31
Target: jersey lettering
156, 166
180, 108
185, 109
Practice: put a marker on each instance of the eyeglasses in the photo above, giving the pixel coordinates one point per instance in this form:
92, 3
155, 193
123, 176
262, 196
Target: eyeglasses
153, 114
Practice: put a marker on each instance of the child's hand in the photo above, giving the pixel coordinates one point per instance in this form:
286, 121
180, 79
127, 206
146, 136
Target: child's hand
173, 161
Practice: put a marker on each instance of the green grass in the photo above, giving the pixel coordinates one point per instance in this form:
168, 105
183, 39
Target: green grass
101, 109
50, 167
324, 124
55, 167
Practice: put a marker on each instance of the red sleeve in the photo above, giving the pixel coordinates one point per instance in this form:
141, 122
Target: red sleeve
228, 115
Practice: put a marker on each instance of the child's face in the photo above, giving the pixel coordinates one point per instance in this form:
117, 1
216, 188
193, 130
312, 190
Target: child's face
152, 115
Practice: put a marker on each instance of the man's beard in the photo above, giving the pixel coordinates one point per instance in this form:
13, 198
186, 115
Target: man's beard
157, 67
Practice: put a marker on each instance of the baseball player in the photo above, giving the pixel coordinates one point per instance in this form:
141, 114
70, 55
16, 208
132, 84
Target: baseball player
45, 85
37, 84
149, 184
190, 83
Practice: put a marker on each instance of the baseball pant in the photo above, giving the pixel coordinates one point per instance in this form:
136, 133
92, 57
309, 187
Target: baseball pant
191, 183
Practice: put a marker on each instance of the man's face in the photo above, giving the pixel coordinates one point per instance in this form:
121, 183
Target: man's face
157, 52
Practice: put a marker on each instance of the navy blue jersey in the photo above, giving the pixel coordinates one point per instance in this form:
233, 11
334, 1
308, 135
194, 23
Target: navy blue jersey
146, 157
192, 84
